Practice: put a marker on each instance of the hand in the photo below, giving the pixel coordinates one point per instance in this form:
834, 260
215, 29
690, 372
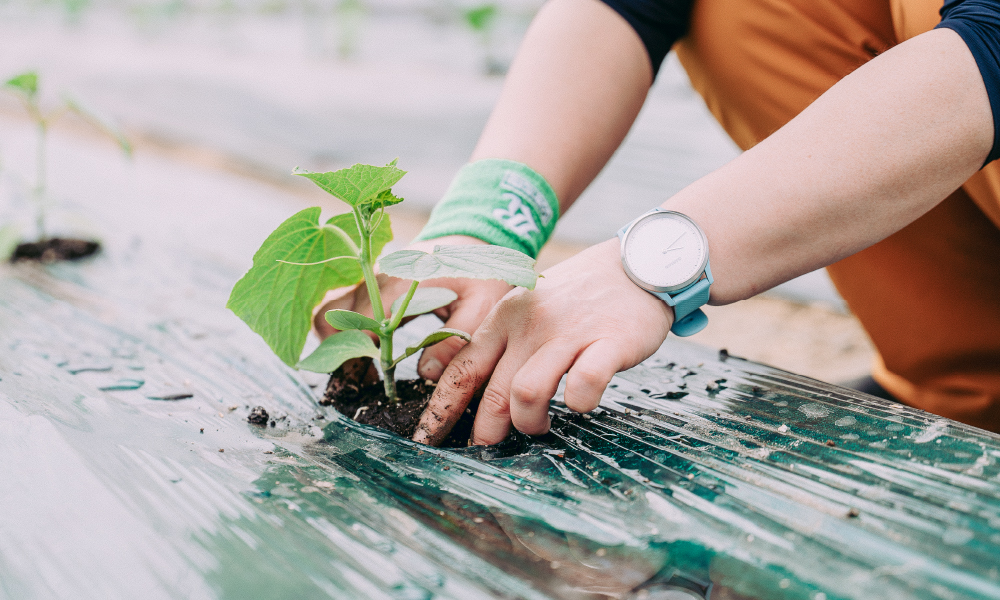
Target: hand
585, 318
475, 300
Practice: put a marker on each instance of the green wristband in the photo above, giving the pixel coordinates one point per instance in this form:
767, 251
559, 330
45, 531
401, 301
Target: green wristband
501, 202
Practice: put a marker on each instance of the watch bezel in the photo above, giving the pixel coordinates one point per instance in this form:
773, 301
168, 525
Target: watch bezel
656, 288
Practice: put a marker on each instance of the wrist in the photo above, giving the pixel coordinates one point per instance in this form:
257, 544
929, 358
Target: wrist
647, 305
500, 202
665, 253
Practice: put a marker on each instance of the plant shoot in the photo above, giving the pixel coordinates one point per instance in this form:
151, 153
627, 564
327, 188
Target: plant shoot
304, 258
25, 86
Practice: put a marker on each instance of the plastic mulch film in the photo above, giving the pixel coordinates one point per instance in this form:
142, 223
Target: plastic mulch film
129, 470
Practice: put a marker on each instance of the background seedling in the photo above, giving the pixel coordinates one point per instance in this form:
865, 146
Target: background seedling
25, 86
482, 20
302, 259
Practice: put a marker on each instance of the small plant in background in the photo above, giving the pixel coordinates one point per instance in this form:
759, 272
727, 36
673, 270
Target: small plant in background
25, 86
482, 21
303, 258
350, 18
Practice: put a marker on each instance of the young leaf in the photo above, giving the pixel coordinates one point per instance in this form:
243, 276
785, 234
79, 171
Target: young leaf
425, 300
386, 198
360, 184
347, 319
337, 349
432, 338
471, 261
481, 17
276, 299
26, 83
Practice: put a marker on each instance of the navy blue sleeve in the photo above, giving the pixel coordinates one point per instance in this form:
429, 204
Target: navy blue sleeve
659, 23
978, 22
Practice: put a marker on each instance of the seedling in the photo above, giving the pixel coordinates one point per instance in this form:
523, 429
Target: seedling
482, 21
303, 258
25, 86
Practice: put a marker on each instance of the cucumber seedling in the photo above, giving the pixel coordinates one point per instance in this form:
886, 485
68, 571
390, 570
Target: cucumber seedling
25, 87
304, 258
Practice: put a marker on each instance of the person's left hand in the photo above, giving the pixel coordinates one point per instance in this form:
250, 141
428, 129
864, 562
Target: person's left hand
585, 318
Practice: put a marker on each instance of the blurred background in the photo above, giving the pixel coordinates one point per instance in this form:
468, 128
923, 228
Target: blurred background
219, 97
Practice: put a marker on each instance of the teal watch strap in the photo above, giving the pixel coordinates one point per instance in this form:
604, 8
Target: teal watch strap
689, 319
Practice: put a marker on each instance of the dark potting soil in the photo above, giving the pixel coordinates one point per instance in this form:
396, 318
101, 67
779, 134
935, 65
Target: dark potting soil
53, 249
354, 393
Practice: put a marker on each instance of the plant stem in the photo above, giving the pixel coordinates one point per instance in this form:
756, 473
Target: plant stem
388, 369
375, 296
39, 191
396, 318
344, 238
388, 365
370, 282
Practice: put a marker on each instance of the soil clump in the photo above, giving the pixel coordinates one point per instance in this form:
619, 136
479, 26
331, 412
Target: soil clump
53, 249
356, 391
258, 416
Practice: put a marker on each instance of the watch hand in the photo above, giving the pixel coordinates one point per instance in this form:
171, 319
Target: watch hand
671, 244
671, 250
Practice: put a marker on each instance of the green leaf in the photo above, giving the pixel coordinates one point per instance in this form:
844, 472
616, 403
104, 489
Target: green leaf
471, 261
433, 338
338, 349
10, 237
360, 184
26, 83
425, 300
348, 319
481, 17
386, 198
276, 299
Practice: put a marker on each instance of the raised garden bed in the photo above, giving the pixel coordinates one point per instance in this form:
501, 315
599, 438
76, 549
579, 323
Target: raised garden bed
130, 468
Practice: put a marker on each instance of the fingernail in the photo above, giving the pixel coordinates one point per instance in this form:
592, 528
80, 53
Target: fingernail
431, 369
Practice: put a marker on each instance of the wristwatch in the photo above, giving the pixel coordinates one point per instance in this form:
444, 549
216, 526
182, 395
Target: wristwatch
666, 253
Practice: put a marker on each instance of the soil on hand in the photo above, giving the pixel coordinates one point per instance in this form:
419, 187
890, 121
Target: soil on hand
53, 249
356, 392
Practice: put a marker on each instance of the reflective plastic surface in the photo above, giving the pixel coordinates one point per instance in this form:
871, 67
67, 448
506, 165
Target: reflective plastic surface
129, 469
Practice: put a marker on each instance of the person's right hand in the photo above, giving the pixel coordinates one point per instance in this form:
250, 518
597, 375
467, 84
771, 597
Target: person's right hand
585, 319
476, 298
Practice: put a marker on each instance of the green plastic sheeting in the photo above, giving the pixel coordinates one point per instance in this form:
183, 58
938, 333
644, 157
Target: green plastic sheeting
129, 469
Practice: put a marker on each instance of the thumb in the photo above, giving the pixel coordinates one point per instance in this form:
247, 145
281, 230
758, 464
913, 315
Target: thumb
434, 359
340, 298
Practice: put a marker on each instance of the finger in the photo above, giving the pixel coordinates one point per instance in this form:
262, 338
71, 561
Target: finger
590, 375
340, 298
467, 317
459, 382
493, 415
535, 384
466, 314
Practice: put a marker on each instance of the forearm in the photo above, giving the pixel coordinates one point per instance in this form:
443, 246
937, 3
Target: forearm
577, 84
874, 153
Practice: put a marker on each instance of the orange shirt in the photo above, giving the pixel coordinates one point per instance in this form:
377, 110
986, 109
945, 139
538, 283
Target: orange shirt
929, 295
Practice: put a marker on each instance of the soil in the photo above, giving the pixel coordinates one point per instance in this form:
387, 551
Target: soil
53, 249
258, 416
357, 393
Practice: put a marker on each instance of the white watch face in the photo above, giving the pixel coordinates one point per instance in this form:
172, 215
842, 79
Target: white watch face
665, 251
